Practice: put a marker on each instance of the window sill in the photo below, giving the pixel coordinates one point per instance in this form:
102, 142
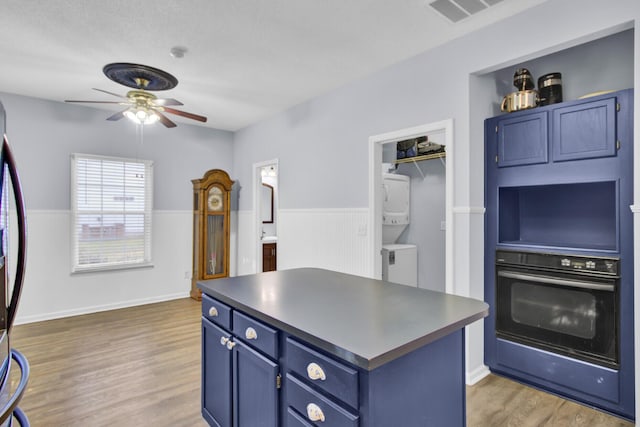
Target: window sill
84, 270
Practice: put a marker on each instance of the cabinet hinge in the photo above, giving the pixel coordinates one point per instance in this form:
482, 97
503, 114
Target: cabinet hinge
278, 381
617, 106
617, 145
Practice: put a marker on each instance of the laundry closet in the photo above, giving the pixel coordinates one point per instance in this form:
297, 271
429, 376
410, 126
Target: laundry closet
414, 212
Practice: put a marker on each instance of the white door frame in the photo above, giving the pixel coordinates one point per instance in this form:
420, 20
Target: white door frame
375, 195
257, 218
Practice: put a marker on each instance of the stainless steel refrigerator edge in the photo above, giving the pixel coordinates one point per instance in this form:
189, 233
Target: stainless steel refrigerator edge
10, 292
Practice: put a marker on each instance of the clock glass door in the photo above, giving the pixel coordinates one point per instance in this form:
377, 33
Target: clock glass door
215, 245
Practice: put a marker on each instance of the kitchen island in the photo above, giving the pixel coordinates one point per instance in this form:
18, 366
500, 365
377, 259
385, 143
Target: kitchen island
307, 347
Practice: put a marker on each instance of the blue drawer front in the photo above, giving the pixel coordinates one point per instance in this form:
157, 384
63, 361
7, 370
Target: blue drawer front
300, 395
582, 377
216, 312
340, 381
296, 420
256, 334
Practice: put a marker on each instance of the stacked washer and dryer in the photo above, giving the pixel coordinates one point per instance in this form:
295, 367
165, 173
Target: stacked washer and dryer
399, 261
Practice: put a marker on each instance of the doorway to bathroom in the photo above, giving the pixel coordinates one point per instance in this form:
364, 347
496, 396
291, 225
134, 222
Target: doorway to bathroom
430, 227
265, 203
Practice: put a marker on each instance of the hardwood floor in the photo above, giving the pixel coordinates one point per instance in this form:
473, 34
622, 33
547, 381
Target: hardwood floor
497, 401
140, 366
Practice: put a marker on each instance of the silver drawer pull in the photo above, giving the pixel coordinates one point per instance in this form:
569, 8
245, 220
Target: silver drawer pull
251, 334
315, 372
224, 340
213, 312
314, 413
230, 345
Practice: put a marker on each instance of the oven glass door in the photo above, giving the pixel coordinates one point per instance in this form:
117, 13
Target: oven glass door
569, 314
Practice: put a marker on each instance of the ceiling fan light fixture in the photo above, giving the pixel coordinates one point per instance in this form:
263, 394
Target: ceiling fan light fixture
142, 106
141, 116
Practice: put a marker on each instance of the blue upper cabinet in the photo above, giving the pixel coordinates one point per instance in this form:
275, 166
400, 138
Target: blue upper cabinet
522, 140
584, 131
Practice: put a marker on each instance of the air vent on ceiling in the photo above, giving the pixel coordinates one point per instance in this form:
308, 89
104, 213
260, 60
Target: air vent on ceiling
456, 10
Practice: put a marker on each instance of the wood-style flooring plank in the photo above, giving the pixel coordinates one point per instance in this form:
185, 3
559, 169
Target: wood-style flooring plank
140, 366
137, 366
497, 401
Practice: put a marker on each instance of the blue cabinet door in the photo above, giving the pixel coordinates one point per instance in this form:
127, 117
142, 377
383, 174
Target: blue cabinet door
216, 376
585, 131
256, 388
523, 139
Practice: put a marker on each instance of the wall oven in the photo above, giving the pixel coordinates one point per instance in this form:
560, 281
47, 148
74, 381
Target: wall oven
566, 304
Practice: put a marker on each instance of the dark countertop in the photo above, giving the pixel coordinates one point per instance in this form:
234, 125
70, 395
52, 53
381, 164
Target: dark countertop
364, 321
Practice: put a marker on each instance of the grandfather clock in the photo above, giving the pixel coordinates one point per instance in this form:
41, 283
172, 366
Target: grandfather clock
211, 199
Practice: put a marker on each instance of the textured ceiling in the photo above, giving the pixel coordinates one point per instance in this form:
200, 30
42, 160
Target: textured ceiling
246, 59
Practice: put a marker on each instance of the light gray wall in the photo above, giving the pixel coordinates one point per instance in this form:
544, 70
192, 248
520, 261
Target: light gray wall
44, 133
322, 145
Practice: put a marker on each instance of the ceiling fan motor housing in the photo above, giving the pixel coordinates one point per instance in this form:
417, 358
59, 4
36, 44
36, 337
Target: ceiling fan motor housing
139, 76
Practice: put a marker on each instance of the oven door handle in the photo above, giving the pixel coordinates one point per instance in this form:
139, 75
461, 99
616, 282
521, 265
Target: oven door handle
555, 281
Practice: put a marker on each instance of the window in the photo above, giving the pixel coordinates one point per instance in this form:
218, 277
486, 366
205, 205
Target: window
111, 205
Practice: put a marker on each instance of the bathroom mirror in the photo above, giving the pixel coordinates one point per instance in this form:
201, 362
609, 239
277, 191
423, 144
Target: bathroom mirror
266, 199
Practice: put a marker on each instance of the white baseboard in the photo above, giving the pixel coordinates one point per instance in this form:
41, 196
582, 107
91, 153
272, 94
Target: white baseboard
477, 374
97, 308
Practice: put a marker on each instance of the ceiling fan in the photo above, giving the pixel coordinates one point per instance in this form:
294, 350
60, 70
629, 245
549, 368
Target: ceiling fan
143, 107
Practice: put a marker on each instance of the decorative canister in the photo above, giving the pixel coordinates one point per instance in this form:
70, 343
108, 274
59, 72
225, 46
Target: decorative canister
550, 88
522, 79
520, 100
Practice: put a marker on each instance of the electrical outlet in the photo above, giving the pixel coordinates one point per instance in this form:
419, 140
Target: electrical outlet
443, 225
186, 275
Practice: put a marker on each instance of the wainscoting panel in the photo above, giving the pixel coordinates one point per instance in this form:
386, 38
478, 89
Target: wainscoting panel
51, 291
335, 239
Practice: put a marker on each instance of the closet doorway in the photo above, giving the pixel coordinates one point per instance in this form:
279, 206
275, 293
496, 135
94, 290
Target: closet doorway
382, 142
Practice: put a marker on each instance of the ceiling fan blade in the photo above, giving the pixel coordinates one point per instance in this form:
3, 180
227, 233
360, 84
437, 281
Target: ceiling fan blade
185, 114
116, 116
97, 102
110, 93
166, 101
165, 120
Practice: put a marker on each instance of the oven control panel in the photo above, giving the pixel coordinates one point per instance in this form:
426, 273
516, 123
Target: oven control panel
602, 265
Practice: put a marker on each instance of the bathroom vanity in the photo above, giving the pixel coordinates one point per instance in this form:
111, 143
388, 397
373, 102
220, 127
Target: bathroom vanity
307, 347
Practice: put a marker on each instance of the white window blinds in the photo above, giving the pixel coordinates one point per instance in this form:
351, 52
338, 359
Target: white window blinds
111, 207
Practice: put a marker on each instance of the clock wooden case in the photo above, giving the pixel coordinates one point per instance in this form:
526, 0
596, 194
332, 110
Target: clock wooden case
211, 200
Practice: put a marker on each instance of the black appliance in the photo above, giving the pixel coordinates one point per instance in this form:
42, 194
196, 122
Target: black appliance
566, 304
10, 292
550, 88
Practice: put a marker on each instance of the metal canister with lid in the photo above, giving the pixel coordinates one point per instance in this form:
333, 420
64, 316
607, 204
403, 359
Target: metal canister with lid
522, 79
550, 88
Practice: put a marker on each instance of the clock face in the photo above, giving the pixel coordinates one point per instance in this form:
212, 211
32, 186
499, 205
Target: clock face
214, 200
